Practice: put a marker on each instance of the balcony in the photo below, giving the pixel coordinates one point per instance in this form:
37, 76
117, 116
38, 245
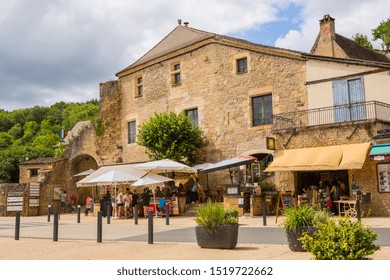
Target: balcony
371, 111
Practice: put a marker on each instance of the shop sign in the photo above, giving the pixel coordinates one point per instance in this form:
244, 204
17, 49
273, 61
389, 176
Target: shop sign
34, 195
380, 157
384, 177
15, 201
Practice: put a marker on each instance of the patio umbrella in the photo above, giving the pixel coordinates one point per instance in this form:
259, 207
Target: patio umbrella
152, 179
114, 176
165, 165
85, 173
229, 163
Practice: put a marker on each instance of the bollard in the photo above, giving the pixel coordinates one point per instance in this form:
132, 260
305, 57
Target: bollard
78, 213
17, 226
48, 212
150, 227
136, 214
108, 214
264, 214
358, 210
55, 227
100, 227
167, 214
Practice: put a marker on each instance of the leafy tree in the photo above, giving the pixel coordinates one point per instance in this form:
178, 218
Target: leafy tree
382, 32
6, 140
16, 131
362, 40
79, 112
172, 136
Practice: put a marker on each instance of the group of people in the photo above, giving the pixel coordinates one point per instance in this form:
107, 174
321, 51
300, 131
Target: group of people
326, 193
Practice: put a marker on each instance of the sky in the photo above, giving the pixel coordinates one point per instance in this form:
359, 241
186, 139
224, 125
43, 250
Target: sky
60, 50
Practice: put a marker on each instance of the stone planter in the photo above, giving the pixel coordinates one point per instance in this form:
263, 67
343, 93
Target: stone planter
293, 234
220, 237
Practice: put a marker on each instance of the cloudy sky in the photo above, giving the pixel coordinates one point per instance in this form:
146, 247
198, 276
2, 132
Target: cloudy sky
60, 50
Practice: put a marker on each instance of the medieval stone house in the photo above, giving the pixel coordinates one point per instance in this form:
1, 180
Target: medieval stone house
240, 93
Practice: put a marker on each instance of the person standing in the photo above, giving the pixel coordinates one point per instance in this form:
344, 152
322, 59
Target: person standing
87, 205
119, 204
194, 191
134, 201
127, 200
63, 199
146, 201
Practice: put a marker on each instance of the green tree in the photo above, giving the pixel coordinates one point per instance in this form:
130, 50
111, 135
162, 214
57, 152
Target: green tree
6, 140
172, 136
362, 40
79, 112
382, 32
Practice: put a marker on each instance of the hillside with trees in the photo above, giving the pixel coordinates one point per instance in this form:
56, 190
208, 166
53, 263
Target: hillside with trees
33, 132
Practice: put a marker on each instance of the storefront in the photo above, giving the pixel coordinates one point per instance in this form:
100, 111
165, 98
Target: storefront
318, 168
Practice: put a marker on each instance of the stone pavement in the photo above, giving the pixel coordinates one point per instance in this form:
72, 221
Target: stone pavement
79, 247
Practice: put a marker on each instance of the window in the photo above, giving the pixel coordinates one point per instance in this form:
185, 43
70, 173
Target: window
139, 86
132, 130
348, 99
33, 172
176, 75
242, 65
193, 113
262, 110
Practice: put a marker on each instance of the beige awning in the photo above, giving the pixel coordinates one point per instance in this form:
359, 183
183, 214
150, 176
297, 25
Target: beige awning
340, 157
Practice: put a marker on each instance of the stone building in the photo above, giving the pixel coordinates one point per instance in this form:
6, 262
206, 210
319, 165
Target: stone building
347, 104
240, 94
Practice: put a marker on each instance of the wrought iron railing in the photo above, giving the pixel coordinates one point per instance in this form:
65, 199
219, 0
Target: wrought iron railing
354, 112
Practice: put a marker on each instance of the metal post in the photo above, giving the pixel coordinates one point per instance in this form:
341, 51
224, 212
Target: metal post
17, 226
150, 227
100, 227
78, 213
167, 214
136, 214
264, 213
55, 227
358, 210
108, 213
48, 212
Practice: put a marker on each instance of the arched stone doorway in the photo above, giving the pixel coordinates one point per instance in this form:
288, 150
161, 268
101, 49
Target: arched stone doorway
79, 164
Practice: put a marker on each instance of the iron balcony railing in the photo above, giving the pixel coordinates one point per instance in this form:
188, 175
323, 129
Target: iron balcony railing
353, 112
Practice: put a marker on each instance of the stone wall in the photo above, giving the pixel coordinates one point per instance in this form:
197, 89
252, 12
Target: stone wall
223, 98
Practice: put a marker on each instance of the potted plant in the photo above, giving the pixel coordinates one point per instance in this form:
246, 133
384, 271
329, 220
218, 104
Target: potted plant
216, 227
298, 220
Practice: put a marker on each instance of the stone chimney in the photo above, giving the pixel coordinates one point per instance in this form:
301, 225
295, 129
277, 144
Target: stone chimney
325, 43
327, 26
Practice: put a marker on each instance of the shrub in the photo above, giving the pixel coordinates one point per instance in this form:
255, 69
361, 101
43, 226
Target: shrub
213, 214
296, 217
342, 240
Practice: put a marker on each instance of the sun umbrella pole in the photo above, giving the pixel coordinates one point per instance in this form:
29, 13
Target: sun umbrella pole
115, 201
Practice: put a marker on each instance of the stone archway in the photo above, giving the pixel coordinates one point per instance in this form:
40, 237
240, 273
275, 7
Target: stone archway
79, 164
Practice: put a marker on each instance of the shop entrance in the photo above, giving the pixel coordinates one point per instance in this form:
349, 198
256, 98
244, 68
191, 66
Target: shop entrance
307, 179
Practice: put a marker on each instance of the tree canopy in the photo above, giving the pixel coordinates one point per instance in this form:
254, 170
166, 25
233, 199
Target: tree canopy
382, 32
33, 132
172, 136
362, 40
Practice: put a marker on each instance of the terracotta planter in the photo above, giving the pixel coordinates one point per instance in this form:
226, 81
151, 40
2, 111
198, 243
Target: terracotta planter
220, 237
293, 236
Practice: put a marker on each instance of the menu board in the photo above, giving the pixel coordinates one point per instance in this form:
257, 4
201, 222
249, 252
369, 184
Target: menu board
384, 177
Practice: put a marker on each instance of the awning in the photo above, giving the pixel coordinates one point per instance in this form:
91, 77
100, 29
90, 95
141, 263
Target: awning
340, 157
228, 163
380, 152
